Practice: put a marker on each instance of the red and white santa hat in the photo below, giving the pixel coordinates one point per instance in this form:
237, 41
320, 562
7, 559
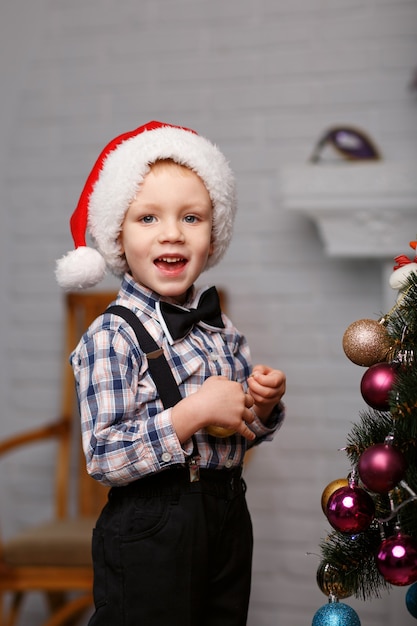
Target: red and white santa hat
114, 182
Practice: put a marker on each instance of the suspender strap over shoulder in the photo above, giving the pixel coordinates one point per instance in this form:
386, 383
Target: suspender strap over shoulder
158, 365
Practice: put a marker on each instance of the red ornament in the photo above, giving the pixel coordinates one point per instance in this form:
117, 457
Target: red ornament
396, 560
381, 467
350, 510
376, 385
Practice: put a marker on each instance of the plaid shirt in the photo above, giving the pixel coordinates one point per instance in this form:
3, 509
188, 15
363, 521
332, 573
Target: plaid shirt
126, 431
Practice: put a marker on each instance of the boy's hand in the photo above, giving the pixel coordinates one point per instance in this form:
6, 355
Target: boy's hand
266, 386
230, 407
219, 402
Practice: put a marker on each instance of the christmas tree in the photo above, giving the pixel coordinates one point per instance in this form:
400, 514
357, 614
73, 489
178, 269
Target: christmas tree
373, 511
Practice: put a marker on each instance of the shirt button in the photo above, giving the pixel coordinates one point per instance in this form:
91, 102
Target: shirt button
166, 457
228, 463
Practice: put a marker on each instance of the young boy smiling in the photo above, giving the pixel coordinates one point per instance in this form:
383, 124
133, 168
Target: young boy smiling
174, 543
166, 233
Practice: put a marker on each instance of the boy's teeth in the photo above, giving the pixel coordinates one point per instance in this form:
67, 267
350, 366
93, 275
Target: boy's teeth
170, 260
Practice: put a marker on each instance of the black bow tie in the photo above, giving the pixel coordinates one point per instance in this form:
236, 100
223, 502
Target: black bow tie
178, 321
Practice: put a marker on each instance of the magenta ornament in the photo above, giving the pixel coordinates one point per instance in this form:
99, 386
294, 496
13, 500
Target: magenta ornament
376, 385
350, 510
381, 467
396, 560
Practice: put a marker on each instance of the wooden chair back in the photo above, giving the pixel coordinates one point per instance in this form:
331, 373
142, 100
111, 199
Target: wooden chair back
54, 557
82, 308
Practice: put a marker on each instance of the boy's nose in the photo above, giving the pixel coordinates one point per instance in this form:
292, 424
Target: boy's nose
171, 231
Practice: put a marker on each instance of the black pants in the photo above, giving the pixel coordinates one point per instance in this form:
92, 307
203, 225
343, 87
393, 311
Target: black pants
168, 552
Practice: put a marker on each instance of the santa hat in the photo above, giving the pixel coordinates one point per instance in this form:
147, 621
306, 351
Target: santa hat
114, 182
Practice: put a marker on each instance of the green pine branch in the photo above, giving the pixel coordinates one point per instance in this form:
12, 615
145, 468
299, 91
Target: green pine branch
353, 559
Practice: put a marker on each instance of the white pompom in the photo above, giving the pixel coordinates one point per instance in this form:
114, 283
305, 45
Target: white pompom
399, 277
80, 269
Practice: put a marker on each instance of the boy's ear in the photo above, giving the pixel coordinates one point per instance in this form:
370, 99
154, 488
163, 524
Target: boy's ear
119, 240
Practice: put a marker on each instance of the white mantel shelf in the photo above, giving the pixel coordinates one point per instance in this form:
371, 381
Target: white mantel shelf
361, 209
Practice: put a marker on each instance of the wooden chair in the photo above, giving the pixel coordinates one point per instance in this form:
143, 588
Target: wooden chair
54, 557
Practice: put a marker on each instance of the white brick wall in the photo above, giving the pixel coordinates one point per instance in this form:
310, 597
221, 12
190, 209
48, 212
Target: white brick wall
263, 79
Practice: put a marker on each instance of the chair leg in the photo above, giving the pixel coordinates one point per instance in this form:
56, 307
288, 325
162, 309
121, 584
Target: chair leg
2, 608
10, 614
71, 612
55, 599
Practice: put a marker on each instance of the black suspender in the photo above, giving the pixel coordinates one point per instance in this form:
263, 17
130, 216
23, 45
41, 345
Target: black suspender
158, 365
160, 371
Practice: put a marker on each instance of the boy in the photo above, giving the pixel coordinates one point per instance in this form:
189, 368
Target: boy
173, 546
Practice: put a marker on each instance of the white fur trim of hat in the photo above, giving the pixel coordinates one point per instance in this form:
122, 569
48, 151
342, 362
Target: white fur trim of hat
114, 182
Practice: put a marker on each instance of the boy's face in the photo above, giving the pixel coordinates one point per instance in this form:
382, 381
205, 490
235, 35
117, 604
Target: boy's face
167, 231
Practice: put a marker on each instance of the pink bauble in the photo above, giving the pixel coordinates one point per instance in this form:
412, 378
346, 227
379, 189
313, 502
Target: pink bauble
376, 385
396, 560
350, 510
381, 467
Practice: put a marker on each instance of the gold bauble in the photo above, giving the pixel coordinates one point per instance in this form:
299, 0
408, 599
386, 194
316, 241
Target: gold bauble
330, 581
366, 342
330, 489
219, 431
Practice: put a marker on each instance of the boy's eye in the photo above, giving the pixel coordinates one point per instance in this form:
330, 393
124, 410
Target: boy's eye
191, 219
147, 219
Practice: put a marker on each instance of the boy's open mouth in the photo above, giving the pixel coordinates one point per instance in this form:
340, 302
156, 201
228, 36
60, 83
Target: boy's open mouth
170, 263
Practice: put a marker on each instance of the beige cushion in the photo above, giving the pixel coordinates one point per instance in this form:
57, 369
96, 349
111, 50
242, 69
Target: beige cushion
61, 542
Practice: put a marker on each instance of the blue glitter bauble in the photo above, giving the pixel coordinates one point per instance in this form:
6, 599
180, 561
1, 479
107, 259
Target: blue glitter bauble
411, 600
336, 614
